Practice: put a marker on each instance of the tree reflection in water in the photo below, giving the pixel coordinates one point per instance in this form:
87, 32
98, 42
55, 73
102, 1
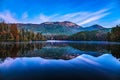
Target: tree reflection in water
113, 49
56, 50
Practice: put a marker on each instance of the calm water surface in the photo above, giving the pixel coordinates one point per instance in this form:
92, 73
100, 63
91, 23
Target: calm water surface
55, 60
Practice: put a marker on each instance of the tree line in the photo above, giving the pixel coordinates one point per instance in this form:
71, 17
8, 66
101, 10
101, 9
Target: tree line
10, 32
114, 35
89, 36
98, 35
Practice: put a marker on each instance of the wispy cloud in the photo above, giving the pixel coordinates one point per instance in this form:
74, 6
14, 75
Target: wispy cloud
25, 15
8, 17
112, 24
43, 18
81, 18
93, 18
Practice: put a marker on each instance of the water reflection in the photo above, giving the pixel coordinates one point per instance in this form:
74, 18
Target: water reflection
84, 67
59, 61
57, 50
109, 47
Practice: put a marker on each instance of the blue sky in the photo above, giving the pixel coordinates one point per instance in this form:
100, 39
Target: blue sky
82, 12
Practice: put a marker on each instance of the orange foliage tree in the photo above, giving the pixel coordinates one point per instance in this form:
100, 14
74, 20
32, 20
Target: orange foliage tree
14, 31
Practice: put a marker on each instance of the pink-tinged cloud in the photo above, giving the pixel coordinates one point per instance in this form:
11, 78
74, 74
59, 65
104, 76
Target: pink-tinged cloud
8, 17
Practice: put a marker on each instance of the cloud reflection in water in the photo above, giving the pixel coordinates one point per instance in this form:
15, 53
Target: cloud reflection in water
82, 67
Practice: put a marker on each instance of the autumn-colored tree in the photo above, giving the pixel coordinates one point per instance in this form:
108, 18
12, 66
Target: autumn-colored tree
14, 31
9, 32
38, 36
4, 31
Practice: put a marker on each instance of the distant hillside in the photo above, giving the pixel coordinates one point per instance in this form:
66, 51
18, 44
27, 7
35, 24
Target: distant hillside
57, 31
110, 34
58, 28
96, 35
94, 27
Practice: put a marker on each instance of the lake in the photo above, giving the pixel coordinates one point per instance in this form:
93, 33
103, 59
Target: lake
60, 60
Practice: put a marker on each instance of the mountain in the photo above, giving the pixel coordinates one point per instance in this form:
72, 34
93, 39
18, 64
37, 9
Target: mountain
59, 28
94, 27
65, 23
54, 28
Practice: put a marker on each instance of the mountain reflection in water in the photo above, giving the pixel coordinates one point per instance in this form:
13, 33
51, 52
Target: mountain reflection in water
58, 50
84, 67
64, 60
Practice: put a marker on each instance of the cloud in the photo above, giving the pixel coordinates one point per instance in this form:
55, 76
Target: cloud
72, 16
93, 18
81, 18
25, 15
8, 17
43, 18
117, 21
111, 24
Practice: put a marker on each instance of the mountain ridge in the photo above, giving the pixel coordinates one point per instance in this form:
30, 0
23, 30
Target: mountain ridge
60, 28
94, 27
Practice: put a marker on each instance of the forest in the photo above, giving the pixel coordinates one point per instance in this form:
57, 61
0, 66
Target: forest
98, 35
10, 32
